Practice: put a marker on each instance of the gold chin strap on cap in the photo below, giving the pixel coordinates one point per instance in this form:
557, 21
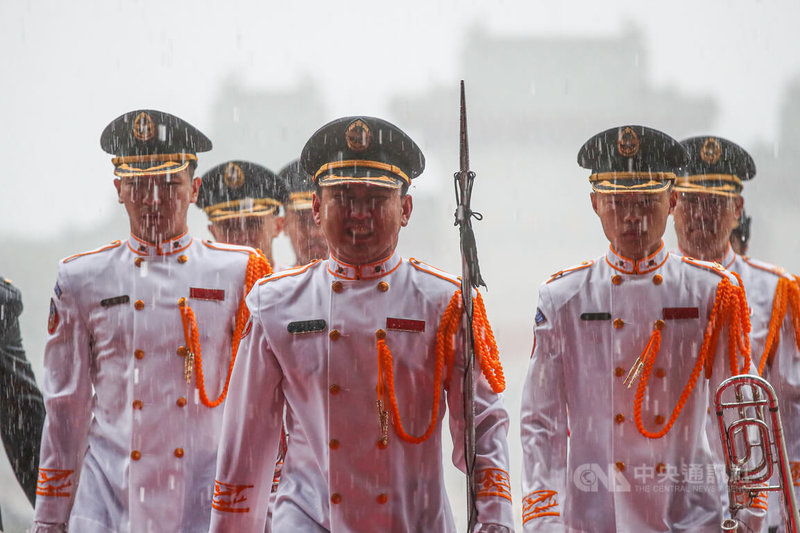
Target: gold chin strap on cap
161, 164
299, 201
640, 182
362, 163
247, 207
722, 184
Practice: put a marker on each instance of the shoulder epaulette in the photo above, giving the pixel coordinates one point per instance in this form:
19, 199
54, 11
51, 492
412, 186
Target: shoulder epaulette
227, 247
711, 266
767, 267
289, 272
432, 270
561, 273
110, 246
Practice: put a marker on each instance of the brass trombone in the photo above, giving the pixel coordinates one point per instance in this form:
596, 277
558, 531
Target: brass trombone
752, 442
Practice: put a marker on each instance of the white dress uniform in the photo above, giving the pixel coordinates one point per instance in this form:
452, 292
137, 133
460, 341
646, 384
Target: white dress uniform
782, 369
128, 446
602, 474
312, 344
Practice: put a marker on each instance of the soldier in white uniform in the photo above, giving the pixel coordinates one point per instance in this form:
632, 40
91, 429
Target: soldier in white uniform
142, 335
243, 201
709, 206
618, 388
361, 348
306, 237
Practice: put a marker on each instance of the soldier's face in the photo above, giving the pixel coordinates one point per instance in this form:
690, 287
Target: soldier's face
157, 205
361, 222
256, 231
704, 222
634, 223
306, 237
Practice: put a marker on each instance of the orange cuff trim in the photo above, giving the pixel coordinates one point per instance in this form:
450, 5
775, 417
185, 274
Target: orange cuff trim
795, 473
493, 482
230, 498
538, 504
54, 482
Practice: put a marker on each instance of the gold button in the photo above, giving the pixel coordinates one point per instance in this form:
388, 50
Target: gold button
620, 418
334, 334
618, 323
383, 443
181, 351
659, 419
337, 286
138, 261
139, 305
138, 354
616, 279
137, 404
659, 324
334, 389
383, 286
380, 334
182, 259
136, 455
182, 302
620, 466
660, 372
181, 402
658, 280
178, 452
334, 444
382, 498
619, 371
336, 498
661, 468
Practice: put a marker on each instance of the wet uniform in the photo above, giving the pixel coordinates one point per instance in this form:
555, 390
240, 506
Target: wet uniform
312, 345
592, 322
128, 445
21, 406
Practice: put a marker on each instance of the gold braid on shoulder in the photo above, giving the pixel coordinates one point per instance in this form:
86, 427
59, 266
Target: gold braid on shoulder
787, 296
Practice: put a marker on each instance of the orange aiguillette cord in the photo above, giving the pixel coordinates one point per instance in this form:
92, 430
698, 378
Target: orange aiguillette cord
257, 267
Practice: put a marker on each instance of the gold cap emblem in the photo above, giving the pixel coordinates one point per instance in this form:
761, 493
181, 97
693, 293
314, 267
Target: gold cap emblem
628, 143
711, 151
234, 176
357, 136
143, 127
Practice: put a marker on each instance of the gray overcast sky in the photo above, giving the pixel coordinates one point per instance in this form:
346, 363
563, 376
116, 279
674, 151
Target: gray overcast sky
69, 68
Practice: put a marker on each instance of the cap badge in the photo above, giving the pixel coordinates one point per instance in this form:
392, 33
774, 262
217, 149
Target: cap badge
143, 127
628, 143
711, 151
357, 136
234, 176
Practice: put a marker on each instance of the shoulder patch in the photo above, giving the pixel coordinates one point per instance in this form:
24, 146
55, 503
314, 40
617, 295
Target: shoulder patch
107, 247
768, 267
561, 273
429, 269
289, 272
540, 318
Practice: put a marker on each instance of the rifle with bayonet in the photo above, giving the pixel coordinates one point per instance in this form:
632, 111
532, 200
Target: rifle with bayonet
470, 279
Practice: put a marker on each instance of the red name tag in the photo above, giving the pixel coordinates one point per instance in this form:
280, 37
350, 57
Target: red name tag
206, 294
677, 313
405, 324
